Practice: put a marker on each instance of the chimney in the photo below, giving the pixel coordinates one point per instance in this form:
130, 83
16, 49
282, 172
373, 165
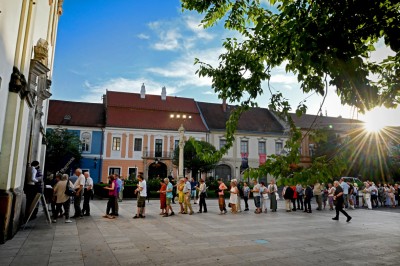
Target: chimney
164, 93
143, 92
224, 105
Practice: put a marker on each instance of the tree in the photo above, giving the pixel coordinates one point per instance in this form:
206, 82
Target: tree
322, 42
192, 161
62, 145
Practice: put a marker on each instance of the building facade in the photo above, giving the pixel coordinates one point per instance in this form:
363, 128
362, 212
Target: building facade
86, 120
259, 134
28, 31
141, 132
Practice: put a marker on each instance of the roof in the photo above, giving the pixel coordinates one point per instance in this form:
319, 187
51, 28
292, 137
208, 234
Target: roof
338, 123
256, 120
75, 114
128, 110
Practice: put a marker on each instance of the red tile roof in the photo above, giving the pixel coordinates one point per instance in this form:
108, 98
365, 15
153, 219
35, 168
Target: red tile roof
81, 114
255, 120
128, 110
336, 123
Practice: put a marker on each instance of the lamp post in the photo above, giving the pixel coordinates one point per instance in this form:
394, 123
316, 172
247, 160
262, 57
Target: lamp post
181, 131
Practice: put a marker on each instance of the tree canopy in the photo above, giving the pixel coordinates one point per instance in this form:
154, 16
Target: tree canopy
62, 145
326, 44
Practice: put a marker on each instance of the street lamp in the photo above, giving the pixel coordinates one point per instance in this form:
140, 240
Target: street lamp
181, 131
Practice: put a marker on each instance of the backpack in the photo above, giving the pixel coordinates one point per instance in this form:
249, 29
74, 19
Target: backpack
69, 191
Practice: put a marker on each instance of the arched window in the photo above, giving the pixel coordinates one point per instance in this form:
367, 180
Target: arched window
86, 139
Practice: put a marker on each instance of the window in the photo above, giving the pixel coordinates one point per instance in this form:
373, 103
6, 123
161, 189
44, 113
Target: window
278, 147
261, 147
138, 145
158, 148
114, 170
244, 146
86, 140
176, 144
132, 172
116, 145
222, 143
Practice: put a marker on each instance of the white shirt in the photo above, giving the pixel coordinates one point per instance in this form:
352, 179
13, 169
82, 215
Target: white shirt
80, 181
187, 188
89, 182
142, 184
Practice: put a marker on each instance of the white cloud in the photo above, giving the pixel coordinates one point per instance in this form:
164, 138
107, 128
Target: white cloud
143, 36
195, 26
94, 92
169, 40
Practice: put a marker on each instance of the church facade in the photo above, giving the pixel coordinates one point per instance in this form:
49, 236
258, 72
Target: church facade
27, 55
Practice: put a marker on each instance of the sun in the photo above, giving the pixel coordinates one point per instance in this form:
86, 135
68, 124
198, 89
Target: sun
376, 120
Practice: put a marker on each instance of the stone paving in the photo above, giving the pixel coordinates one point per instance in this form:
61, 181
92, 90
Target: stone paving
281, 238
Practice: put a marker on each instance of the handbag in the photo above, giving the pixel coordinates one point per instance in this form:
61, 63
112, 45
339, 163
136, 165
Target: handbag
69, 191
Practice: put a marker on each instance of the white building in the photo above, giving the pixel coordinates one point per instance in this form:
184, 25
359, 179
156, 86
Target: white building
28, 31
259, 134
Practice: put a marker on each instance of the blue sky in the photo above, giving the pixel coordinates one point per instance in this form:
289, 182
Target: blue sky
118, 45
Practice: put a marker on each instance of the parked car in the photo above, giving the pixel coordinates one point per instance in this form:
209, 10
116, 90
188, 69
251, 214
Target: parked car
353, 180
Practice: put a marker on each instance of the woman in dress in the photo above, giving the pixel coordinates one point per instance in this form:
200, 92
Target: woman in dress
233, 198
386, 193
163, 198
221, 196
391, 196
263, 197
181, 195
331, 193
273, 191
324, 191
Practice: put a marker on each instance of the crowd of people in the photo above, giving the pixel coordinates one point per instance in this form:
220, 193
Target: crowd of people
339, 195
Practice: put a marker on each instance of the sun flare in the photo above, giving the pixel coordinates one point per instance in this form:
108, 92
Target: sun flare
376, 120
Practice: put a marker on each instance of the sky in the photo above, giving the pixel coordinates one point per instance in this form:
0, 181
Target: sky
118, 45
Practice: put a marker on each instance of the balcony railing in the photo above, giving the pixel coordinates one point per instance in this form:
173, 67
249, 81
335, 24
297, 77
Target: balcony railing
158, 154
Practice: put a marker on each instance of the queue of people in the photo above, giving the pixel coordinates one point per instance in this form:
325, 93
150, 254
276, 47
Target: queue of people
338, 196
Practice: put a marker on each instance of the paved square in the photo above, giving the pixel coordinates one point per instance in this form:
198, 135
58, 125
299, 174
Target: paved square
296, 238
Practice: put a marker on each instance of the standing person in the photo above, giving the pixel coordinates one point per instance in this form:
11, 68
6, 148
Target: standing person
112, 197
350, 195
221, 196
355, 195
391, 196
172, 181
338, 196
294, 199
300, 196
256, 195
374, 195
62, 200
163, 197
246, 194
168, 191
318, 195
141, 192
121, 190
287, 194
308, 194
367, 195
78, 186
233, 197
263, 197
54, 182
87, 194
193, 185
118, 185
239, 196
345, 188
181, 196
187, 190
331, 192
273, 190
381, 192
202, 195
324, 194
30, 187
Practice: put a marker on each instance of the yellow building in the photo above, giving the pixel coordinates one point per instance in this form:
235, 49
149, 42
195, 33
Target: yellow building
28, 31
